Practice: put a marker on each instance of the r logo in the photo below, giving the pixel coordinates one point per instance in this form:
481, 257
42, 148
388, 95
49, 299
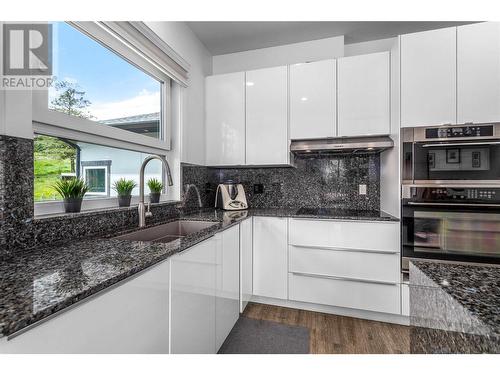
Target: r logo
27, 49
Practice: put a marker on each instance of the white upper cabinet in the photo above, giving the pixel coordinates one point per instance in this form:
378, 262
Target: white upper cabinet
363, 94
428, 78
267, 116
313, 100
225, 119
478, 72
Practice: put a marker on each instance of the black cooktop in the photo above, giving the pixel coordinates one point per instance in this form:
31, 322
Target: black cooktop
342, 213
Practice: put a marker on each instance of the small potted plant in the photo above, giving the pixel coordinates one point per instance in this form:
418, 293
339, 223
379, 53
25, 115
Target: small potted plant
155, 188
72, 190
124, 188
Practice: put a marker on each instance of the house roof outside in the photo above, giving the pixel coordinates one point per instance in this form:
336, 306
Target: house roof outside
147, 124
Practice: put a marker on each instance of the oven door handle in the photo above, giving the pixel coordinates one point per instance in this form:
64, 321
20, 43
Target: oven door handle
453, 204
461, 144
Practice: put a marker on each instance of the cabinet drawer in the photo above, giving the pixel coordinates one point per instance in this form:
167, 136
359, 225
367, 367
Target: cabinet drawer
345, 234
345, 293
366, 265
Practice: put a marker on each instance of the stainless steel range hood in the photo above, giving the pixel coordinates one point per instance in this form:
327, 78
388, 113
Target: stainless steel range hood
342, 145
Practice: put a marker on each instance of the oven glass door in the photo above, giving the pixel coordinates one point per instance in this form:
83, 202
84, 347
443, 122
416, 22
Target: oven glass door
473, 161
471, 235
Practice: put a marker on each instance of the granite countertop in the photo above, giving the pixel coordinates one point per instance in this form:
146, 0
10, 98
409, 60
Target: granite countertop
38, 283
324, 213
470, 302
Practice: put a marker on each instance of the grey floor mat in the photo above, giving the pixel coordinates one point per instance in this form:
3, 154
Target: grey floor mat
251, 336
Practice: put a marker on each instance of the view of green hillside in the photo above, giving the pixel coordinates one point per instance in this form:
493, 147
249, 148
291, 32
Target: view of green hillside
52, 157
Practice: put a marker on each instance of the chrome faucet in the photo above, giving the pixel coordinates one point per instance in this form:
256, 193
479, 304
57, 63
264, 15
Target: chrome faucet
187, 188
142, 209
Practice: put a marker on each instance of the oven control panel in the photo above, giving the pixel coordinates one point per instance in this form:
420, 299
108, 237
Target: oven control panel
448, 194
459, 132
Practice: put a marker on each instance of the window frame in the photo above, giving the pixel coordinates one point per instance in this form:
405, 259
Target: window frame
57, 124
98, 164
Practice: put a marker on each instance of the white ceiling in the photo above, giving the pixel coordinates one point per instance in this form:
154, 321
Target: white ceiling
227, 37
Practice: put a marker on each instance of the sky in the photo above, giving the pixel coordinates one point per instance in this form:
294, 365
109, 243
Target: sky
114, 87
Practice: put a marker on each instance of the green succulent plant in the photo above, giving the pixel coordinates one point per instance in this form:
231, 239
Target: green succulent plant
71, 188
155, 186
124, 187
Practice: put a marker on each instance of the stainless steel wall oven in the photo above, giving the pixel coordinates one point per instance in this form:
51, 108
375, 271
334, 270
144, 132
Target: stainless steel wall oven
451, 194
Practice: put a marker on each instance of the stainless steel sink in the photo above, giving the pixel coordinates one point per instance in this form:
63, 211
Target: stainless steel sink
167, 232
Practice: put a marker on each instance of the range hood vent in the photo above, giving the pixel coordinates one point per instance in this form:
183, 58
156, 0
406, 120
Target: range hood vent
342, 145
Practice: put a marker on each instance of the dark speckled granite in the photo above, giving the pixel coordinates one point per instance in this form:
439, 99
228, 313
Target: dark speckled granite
16, 193
321, 181
37, 283
454, 308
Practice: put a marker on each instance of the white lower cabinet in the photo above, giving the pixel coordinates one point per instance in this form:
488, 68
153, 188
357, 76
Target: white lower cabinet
193, 299
227, 303
350, 264
131, 318
246, 262
345, 293
190, 302
270, 261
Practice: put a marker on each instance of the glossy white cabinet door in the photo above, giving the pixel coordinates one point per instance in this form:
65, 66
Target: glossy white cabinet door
227, 305
246, 262
428, 78
270, 260
363, 94
351, 264
130, 318
225, 119
346, 293
313, 100
193, 299
478, 72
267, 116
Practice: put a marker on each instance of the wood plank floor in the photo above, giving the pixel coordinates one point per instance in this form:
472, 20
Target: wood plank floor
335, 334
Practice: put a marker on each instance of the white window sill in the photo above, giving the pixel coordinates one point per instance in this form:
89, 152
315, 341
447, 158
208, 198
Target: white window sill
90, 206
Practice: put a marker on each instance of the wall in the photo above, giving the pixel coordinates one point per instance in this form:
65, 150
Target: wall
372, 46
323, 181
180, 38
313, 50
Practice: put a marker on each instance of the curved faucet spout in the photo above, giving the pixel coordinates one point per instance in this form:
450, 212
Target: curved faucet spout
142, 211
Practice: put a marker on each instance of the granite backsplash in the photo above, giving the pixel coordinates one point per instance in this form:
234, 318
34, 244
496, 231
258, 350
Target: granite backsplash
330, 181
323, 181
20, 230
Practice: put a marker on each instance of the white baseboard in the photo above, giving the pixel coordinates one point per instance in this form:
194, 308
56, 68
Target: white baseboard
353, 313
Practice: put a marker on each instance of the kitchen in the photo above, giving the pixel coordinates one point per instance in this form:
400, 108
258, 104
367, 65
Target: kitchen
326, 187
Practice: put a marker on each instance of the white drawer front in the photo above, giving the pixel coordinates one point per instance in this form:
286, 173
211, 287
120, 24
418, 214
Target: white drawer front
350, 264
345, 293
345, 234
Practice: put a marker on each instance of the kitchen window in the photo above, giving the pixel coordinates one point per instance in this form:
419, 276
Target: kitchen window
99, 166
111, 86
111, 97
